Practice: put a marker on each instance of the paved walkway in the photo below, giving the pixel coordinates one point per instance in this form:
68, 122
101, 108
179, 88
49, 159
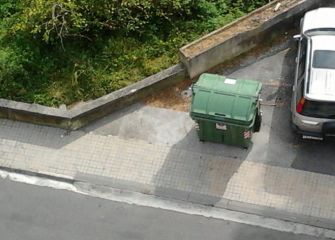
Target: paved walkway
169, 171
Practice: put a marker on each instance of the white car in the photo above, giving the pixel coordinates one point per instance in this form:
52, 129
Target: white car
313, 101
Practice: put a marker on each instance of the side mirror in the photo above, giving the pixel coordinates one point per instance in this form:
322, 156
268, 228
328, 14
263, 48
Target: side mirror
297, 37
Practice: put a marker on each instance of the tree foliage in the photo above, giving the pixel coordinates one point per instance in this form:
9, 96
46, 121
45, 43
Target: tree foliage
61, 51
52, 20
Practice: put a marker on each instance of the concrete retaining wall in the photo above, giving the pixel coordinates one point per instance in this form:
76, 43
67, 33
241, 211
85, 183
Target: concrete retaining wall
204, 59
90, 111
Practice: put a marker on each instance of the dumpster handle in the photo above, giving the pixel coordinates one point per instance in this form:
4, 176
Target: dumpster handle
220, 114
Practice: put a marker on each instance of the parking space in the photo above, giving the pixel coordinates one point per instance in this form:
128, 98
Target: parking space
278, 144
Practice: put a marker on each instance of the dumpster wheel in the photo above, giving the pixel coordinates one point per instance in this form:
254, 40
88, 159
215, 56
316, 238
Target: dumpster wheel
258, 122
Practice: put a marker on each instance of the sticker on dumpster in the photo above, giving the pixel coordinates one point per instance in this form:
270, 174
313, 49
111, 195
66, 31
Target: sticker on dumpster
221, 126
247, 134
230, 81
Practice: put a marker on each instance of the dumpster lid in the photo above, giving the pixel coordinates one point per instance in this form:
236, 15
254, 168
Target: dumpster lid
227, 99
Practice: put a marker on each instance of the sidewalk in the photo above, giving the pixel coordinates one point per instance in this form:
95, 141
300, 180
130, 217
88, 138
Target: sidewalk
169, 171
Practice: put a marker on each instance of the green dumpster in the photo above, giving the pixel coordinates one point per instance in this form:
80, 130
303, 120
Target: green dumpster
226, 110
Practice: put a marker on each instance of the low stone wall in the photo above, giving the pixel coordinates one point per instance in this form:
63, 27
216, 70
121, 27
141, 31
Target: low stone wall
81, 115
204, 59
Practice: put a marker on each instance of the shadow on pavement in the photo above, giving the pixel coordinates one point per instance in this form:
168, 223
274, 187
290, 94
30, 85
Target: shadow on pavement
193, 171
280, 148
26, 133
120, 122
315, 156
56, 138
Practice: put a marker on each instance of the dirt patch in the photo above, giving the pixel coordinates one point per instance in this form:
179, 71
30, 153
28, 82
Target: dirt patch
249, 22
173, 98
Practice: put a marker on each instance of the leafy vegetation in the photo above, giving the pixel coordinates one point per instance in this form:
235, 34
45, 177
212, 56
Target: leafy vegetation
64, 51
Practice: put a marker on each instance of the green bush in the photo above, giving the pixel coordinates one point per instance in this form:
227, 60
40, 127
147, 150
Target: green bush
63, 51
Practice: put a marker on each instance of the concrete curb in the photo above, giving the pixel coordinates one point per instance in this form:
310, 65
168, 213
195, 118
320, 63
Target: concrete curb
51, 176
276, 213
90, 111
202, 59
207, 200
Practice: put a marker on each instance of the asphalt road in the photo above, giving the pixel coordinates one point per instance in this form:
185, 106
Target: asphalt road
37, 213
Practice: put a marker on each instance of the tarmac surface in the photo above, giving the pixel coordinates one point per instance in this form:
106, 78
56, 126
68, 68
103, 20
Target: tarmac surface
38, 213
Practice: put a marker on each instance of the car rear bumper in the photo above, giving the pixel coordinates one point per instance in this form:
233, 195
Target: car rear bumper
317, 135
313, 135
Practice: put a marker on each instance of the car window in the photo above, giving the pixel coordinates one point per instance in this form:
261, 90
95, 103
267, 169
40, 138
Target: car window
301, 68
302, 58
324, 59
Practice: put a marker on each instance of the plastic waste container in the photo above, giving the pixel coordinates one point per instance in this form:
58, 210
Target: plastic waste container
226, 110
